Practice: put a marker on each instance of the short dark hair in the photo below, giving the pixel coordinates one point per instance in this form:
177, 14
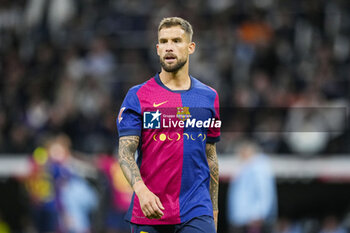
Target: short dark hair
176, 21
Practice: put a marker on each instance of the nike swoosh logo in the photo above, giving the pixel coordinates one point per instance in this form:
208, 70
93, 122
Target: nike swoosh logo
157, 105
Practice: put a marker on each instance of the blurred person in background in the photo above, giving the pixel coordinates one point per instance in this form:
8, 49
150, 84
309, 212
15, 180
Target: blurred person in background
252, 197
78, 202
42, 195
119, 194
76, 198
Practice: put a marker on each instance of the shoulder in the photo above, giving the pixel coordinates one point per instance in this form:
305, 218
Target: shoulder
132, 97
136, 88
203, 87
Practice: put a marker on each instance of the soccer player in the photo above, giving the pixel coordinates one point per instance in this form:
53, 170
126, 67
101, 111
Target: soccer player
172, 121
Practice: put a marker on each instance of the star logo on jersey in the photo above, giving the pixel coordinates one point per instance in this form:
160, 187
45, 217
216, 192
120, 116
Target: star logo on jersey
157, 105
151, 120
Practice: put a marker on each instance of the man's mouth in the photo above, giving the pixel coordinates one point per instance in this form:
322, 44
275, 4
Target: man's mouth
170, 58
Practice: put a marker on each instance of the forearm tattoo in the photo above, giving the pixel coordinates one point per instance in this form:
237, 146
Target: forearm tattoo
214, 173
127, 148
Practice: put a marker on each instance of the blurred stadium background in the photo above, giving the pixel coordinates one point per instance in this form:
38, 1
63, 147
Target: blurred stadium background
281, 69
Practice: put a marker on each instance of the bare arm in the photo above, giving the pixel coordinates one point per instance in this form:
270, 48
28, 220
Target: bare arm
149, 202
127, 148
214, 178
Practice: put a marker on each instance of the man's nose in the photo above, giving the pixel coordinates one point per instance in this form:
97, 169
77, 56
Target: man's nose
169, 48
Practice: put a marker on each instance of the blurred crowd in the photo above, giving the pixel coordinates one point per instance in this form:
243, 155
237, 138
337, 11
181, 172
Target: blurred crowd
65, 193
70, 192
281, 69
65, 66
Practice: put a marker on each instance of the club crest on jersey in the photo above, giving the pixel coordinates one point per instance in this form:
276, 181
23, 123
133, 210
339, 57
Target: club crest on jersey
151, 120
183, 113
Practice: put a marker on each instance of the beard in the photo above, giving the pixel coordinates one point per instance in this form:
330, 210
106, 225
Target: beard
173, 68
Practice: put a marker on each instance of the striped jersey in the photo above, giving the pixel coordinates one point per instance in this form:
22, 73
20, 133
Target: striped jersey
174, 127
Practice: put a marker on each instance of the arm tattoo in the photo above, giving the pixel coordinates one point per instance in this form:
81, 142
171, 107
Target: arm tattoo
127, 149
212, 158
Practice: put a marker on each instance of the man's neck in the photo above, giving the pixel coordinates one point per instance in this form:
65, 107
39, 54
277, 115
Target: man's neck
176, 81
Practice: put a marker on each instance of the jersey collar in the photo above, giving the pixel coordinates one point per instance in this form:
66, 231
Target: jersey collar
157, 78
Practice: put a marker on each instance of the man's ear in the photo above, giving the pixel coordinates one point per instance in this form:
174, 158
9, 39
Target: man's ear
191, 48
157, 46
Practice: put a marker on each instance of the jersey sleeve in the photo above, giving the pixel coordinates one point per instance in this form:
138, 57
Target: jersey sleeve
213, 134
129, 121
